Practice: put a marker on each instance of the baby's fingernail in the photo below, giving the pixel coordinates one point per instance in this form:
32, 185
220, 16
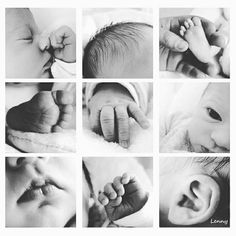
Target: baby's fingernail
182, 45
124, 144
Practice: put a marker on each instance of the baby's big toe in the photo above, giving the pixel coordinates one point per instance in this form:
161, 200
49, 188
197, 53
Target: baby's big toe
62, 97
196, 20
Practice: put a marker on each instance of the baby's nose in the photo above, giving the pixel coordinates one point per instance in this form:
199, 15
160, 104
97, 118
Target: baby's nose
15, 162
221, 136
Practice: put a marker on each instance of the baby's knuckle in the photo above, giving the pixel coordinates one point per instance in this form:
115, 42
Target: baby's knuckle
123, 118
123, 133
106, 120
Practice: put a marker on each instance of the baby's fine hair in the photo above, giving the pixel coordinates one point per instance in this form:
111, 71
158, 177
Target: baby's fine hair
111, 41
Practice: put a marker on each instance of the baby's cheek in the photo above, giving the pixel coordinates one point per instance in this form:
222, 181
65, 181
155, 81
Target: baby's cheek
225, 61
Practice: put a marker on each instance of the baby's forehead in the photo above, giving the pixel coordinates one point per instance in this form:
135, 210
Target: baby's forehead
216, 90
18, 17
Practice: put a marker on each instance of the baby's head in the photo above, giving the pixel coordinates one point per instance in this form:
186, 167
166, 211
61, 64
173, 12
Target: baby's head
40, 191
194, 191
123, 50
24, 58
209, 128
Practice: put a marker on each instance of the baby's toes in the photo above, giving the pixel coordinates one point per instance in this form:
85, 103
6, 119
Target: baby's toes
102, 198
118, 186
62, 97
190, 22
182, 30
196, 21
109, 191
186, 24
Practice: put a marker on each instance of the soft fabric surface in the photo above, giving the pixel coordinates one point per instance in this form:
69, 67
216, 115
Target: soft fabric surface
42, 143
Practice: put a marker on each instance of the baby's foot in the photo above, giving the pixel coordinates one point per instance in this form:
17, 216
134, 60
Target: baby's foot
47, 111
194, 34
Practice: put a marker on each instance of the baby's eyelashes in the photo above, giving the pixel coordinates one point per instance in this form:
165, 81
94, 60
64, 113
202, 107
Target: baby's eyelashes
213, 114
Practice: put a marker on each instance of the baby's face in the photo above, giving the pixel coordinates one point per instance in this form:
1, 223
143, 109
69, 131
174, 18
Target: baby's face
40, 191
24, 59
209, 128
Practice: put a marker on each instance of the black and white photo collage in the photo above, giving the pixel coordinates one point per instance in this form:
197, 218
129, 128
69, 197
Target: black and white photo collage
107, 127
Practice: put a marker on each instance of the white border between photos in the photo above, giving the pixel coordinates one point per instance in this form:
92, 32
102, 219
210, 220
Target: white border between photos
79, 5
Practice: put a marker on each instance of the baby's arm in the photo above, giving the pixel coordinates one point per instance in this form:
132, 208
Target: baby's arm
109, 108
123, 197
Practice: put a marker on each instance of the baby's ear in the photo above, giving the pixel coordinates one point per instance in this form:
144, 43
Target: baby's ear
195, 201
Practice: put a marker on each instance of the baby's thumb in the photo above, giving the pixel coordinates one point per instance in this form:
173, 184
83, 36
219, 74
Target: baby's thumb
172, 41
44, 42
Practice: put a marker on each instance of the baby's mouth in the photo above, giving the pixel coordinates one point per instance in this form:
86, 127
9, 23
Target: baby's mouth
39, 189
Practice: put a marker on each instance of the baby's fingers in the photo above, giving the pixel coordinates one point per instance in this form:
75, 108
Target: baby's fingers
115, 202
125, 178
94, 120
122, 125
118, 186
190, 70
56, 41
109, 191
107, 123
66, 34
44, 42
138, 115
103, 199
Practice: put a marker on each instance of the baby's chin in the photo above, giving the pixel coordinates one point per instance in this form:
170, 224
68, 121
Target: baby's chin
55, 219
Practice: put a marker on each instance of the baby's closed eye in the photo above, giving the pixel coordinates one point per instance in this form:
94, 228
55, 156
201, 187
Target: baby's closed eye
25, 35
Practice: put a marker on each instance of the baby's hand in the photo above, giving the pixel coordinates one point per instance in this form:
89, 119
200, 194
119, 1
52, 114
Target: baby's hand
109, 112
63, 42
123, 197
